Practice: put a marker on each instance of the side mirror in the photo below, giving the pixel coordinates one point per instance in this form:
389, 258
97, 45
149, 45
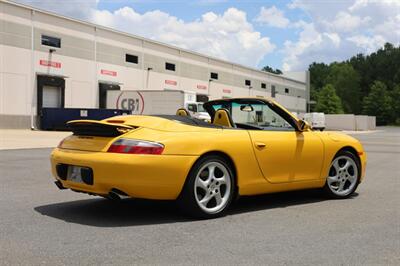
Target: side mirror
304, 125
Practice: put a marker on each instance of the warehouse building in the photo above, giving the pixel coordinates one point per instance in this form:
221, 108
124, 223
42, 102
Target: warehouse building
49, 60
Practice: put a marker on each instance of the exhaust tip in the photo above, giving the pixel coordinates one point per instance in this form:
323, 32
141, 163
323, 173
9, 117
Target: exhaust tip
116, 194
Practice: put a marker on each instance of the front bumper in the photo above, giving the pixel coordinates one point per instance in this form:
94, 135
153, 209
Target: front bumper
363, 160
139, 176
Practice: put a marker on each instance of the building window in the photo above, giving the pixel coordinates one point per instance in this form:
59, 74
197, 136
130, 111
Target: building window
214, 75
130, 58
273, 91
51, 41
286, 90
263, 86
247, 82
169, 66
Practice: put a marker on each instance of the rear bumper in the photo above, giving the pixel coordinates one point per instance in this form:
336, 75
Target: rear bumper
140, 176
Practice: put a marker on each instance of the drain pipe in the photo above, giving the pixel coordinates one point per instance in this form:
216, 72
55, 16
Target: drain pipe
32, 70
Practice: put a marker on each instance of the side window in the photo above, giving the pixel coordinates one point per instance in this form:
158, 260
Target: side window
260, 116
270, 120
192, 107
51, 41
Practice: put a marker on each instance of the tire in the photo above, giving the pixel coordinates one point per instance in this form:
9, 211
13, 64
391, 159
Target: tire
209, 188
344, 176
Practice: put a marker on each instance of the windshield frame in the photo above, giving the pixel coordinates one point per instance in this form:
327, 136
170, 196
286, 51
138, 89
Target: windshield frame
208, 106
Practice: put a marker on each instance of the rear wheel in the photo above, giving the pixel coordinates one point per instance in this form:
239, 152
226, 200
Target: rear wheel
344, 175
209, 189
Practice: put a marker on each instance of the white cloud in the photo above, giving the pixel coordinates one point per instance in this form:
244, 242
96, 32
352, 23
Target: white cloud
359, 4
273, 17
341, 29
228, 36
369, 44
346, 22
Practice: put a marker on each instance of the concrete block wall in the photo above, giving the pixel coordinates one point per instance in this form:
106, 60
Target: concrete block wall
371, 122
350, 122
362, 122
340, 122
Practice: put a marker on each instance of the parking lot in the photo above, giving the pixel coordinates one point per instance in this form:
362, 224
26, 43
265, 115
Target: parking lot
40, 224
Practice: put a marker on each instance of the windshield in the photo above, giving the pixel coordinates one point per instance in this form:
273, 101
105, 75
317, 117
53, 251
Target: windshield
200, 108
257, 115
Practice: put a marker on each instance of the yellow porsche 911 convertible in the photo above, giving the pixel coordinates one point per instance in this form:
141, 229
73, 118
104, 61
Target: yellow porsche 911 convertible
251, 146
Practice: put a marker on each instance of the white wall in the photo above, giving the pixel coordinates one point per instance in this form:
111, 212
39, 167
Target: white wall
349, 122
18, 71
15, 80
340, 122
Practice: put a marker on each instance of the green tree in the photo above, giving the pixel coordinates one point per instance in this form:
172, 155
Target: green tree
347, 84
328, 101
383, 65
395, 104
378, 103
318, 74
271, 70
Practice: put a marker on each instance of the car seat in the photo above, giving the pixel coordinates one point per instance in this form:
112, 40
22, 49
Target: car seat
223, 118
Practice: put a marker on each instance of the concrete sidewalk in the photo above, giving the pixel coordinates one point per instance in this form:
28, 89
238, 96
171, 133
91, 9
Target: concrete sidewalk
29, 139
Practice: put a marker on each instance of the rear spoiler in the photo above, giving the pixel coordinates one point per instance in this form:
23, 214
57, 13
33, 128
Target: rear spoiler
97, 128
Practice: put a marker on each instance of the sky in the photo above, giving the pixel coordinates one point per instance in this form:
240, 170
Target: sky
284, 34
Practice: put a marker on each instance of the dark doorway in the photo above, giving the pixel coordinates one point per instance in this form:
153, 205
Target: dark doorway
50, 92
201, 98
103, 88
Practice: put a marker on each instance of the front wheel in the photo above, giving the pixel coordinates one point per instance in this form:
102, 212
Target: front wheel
344, 175
209, 189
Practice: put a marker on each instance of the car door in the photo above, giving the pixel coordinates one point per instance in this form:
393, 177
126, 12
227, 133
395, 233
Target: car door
284, 154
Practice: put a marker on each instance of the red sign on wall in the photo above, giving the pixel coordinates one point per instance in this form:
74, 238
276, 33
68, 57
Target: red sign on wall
50, 63
170, 82
202, 87
108, 72
227, 91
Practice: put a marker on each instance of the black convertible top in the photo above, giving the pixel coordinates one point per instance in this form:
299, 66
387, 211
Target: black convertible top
189, 121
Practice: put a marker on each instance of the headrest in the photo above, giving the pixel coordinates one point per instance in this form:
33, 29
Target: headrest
223, 118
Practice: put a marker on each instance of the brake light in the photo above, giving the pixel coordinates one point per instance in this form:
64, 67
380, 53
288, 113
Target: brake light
136, 147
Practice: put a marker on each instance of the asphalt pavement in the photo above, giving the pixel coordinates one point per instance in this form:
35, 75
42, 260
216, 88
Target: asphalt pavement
40, 224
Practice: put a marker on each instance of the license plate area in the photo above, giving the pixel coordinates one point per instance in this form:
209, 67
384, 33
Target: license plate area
80, 174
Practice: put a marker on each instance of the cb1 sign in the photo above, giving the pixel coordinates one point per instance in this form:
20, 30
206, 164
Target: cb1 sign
131, 100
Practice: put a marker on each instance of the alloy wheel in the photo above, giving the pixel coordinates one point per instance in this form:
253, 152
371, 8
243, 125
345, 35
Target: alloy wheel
343, 176
212, 187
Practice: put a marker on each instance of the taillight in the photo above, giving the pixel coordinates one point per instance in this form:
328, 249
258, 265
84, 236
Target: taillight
136, 147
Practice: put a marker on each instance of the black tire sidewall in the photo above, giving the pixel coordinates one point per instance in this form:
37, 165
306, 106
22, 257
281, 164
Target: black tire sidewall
187, 199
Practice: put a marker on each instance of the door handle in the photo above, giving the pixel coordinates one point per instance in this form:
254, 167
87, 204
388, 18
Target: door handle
260, 145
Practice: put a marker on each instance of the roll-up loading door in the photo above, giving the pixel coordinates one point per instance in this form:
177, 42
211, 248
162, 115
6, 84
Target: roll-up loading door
103, 88
51, 92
